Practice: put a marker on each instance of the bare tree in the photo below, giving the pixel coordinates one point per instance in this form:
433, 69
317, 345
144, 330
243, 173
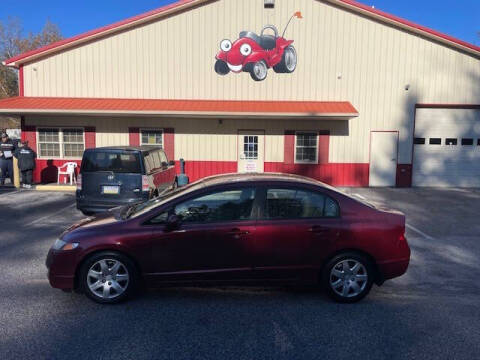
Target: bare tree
13, 42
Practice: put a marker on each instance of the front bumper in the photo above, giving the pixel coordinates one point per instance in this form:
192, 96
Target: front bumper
61, 267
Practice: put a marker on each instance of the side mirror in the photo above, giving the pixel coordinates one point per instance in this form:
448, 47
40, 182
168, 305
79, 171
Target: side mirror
171, 163
164, 164
173, 222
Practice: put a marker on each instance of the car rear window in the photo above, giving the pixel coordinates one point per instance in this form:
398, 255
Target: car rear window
118, 162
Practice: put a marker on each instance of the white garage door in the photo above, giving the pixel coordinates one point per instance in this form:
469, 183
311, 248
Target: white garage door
447, 148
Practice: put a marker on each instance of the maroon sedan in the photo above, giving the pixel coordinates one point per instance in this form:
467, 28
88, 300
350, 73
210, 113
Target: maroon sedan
248, 229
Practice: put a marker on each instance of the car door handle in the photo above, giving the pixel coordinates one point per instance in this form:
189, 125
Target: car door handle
237, 232
318, 230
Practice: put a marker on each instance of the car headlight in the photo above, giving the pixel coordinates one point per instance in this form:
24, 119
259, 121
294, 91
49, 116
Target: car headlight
63, 245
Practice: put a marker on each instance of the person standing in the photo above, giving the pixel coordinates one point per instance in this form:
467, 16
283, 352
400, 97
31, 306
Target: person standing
7, 148
26, 163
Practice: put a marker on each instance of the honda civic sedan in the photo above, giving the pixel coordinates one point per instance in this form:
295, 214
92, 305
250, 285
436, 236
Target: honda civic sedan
250, 229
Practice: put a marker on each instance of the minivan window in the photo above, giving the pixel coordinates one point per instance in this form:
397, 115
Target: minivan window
118, 162
298, 204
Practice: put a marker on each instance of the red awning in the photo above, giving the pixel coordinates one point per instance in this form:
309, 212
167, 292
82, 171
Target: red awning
86, 106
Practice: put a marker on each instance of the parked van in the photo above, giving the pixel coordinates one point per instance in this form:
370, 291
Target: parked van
122, 175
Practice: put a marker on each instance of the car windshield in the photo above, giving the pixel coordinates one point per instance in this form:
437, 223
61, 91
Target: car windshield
115, 161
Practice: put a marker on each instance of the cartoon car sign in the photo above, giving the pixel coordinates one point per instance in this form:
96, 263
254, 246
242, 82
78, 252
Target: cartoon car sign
257, 53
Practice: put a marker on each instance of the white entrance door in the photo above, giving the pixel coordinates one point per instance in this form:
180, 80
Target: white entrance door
383, 158
251, 146
447, 148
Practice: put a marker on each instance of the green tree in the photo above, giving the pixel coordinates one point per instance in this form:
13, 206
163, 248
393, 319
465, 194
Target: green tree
13, 42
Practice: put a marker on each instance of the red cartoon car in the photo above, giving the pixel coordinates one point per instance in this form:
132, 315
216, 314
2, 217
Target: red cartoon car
256, 54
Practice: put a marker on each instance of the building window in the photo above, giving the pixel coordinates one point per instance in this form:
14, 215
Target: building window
61, 143
467, 142
451, 141
419, 141
306, 147
435, 141
151, 137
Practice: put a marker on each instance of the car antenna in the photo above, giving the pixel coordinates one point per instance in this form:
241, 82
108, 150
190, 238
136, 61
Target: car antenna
298, 15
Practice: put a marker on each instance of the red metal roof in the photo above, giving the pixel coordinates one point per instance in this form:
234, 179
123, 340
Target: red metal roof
23, 105
180, 5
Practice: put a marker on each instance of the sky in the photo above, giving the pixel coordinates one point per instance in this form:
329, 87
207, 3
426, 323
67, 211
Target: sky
458, 18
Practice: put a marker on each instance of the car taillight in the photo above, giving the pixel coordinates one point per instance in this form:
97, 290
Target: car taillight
402, 238
145, 186
79, 182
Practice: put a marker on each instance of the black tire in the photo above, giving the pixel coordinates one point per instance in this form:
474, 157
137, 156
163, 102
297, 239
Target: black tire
130, 285
221, 67
282, 66
264, 68
327, 278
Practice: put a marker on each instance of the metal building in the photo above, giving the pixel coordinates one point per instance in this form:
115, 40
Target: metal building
359, 98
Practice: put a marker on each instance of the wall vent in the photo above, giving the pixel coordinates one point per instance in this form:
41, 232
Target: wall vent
269, 4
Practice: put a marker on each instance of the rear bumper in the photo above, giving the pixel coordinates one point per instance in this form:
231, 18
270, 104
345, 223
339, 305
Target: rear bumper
95, 205
393, 268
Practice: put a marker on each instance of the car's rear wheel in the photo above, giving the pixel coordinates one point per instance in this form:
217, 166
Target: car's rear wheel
108, 277
348, 277
289, 61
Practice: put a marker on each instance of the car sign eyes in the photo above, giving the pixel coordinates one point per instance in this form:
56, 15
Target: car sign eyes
245, 49
226, 45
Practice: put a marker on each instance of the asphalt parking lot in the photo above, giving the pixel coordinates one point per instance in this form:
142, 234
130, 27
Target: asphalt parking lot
432, 312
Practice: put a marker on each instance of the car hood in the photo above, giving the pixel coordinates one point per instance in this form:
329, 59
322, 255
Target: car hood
106, 218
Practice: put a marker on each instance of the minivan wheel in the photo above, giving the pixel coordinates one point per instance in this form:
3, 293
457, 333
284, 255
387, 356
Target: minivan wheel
108, 277
348, 277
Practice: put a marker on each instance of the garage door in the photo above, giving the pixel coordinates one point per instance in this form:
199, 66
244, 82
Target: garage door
447, 148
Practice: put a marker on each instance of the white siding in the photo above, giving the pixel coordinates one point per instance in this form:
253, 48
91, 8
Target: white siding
174, 58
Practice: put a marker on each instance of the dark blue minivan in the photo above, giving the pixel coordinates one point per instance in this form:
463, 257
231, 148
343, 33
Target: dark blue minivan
122, 175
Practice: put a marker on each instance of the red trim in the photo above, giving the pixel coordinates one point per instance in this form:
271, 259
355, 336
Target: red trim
90, 141
134, 136
289, 147
333, 174
145, 16
304, 108
21, 87
323, 146
46, 170
99, 30
196, 170
410, 24
169, 145
448, 106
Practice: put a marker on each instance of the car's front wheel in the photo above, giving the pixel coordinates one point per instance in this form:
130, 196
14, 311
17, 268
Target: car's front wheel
348, 277
108, 277
259, 71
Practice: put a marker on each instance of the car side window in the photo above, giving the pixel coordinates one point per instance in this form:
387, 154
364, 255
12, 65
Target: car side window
159, 219
219, 206
293, 203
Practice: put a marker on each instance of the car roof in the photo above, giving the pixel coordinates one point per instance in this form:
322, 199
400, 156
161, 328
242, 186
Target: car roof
261, 177
143, 148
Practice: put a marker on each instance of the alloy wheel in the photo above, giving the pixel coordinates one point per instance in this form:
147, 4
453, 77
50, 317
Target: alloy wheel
348, 278
108, 278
